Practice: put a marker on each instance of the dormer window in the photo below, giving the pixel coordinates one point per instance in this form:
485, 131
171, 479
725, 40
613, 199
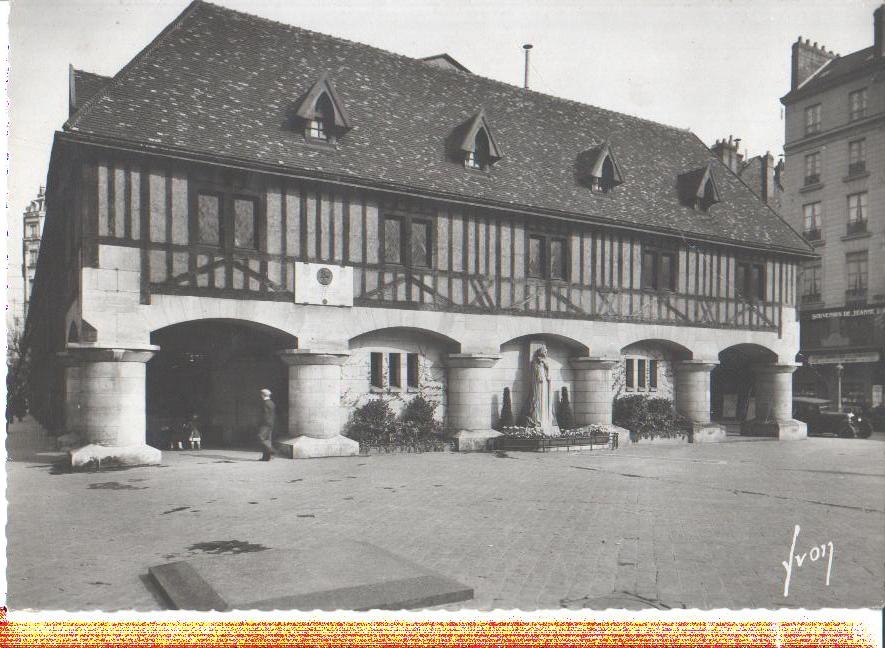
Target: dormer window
321, 113
697, 189
598, 169
473, 144
317, 126
478, 157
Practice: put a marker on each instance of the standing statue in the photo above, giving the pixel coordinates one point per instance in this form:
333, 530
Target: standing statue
540, 410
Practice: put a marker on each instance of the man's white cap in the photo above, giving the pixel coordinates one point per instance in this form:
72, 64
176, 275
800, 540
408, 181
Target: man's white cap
266, 391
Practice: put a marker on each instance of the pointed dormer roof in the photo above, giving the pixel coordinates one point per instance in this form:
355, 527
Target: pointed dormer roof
692, 187
464, 136
590, 163
307, 104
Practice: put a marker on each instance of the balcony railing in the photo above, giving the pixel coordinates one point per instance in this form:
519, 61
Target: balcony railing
855, 296
812, 179
813, 234
857, 168
857, 227
811, 298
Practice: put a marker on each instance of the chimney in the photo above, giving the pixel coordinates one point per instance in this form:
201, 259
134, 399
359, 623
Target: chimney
879, 31
769, 172
807, 59
726, 151
527, 47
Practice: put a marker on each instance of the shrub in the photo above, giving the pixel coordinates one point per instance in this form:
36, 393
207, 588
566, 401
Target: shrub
564, 416
372, 424
417, 421
506, 419
649, 417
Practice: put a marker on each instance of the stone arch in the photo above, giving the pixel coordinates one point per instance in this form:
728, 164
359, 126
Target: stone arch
648, 366
397, 363
733, 388
213, 368
513, 369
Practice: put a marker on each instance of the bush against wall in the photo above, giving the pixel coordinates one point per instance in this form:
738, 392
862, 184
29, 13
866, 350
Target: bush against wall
506, 419
564, 416
375, 425
649, 418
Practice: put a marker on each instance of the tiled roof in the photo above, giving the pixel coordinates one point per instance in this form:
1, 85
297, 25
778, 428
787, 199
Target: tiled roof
83, 86
836, 68
222, 83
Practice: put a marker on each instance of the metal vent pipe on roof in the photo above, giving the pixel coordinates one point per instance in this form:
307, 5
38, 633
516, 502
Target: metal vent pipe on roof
527, 47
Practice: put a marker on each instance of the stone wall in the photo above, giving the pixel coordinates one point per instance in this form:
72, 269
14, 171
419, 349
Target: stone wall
650, 351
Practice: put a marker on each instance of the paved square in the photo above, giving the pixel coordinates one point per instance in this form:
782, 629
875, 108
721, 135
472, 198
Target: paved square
668, 526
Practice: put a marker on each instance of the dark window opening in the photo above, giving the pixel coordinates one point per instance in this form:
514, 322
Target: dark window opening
394, 370
628, 374
606, 181
547, 257
659, 270
412, 370
652, 374
480, 156
641, 375
318, 125
708, 199
750, 280
393, 240
377, 370
408, 241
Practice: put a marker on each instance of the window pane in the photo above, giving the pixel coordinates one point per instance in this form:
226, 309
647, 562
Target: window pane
668, 272
420, 244
244, 223
649, 271
376, 373
758, 282
392, 240
393, 360
536, 256
628, 374
740, 279
557, 259
653, 374
640, 373
208, 219
412, 370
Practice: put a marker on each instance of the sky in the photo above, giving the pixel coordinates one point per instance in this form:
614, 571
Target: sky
715, 67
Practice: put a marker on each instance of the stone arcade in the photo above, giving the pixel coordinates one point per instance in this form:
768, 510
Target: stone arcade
338, 222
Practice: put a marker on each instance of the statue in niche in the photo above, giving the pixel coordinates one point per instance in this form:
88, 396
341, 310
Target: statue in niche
540, 409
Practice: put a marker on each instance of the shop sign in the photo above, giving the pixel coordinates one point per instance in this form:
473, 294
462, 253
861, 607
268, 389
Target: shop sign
844, 358
849, 312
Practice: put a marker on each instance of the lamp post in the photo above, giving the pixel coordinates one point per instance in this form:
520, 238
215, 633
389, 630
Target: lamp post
839, 369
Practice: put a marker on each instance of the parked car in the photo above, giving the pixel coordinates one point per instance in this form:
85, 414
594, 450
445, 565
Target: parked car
823, 421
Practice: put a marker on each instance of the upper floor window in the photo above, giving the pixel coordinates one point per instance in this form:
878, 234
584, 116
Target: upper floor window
856, 272
698, 189
547, 257
857, 103
407, 241
750, 281
708, 199
857, 213
812, 168
321, 113
811, 282
478, 157
473, 143
227, 220
857, 161
318, 124
812, 221
812, 119
598, 168
658, 270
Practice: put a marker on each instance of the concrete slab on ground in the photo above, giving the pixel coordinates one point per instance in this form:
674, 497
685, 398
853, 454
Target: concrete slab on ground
334, 575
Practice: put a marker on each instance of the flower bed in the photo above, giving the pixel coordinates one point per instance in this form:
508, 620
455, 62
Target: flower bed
435, 445
534, 440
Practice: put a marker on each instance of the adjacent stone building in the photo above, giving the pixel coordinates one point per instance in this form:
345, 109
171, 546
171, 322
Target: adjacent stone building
32, 230
250, 204
835, 196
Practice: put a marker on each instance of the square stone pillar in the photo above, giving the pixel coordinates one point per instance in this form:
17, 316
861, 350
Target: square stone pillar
592, 398
693, 399
105, 403
315, 404
774, 403
469, 399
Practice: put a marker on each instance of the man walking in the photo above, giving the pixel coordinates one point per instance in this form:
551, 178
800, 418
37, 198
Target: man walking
265, 430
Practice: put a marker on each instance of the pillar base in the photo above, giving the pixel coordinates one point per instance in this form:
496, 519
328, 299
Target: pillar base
474, 440
785, 430
304, 447
707, 433
99, 456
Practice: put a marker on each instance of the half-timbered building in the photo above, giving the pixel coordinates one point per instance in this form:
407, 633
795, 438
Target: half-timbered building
248, 204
